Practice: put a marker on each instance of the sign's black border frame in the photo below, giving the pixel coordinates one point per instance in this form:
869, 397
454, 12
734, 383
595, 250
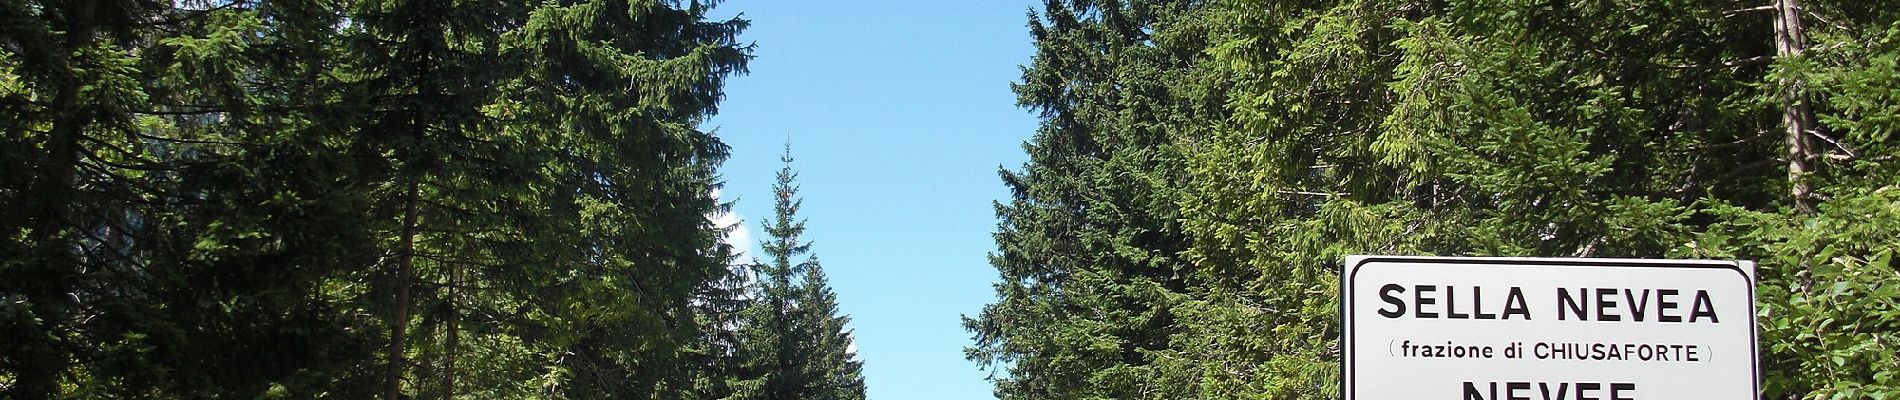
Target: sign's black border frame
1352, 272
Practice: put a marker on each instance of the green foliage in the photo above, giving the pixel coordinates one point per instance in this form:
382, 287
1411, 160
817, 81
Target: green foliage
208, 199
1304, 131
1830, 293
792, 344
1090, 241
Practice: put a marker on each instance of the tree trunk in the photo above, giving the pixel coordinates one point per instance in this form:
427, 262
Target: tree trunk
43, 361
454, 341
1795, 113
406, 263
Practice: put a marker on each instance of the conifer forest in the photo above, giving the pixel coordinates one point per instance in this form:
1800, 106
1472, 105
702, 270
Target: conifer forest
497, 199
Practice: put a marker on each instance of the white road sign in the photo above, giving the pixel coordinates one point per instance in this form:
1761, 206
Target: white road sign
1442, 328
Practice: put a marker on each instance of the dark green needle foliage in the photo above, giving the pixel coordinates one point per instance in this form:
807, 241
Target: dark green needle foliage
359, 199
1090, 243
793, 343
1280, 136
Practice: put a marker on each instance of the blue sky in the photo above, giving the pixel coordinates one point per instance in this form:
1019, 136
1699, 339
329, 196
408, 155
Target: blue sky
899, 113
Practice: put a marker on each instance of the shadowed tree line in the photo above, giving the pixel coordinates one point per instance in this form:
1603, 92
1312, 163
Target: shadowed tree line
363, 199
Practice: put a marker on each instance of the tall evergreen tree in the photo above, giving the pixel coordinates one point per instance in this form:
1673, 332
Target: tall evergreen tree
835, 371
71, 88
424, 69
1581, 130
1089, 244
231, 199
183, 258
794, 345
1308, 131
264, 218
614, 90
720, 313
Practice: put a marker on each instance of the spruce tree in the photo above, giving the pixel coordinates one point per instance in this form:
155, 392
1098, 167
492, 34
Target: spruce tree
793, 344
1581, 130
229, 199
719, 312
834, 369
1305, 131
423, 68
71, 88
210, 214
1088, 244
